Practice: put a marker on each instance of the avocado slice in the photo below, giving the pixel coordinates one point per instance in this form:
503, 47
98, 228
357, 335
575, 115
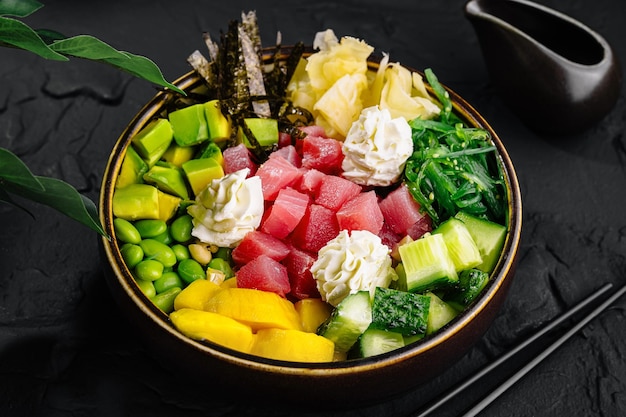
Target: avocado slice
152, 141
189, 125
200, 173
132, 170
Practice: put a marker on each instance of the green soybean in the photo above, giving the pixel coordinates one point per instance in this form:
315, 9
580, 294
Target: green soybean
168, 280
165, 238
147, 287
149, 270
132, 254
125, 231
190, 270
150, 227
154, 249
165, 300
221, 265
224, 253
181, 227
180, 251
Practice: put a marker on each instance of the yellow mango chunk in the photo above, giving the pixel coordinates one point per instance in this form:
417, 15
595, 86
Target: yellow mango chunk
258, 309
292, 345
204, 325
313, 312
229, 283
196, 294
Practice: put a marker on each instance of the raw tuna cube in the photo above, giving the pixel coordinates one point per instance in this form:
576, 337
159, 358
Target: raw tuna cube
238, 157
290, 154
257, 243
401, 211
314, 130
298, 264
284, 139
277, 173
323, 154
286, 212
316, 228
361, 213
266, 274
311, 181
334, 191
388, 236
420, 227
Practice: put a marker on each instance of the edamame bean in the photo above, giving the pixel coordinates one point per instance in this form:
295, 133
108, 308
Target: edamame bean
223, 253
221, 265
132, 254
150, 227
190, 270
200, 253
168, 280
147, 287
165, 238
165, 300
149, 270
125, 231
180, 251
181, 227
156, 250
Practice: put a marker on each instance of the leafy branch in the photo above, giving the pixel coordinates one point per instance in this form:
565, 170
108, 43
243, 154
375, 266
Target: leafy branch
15, 177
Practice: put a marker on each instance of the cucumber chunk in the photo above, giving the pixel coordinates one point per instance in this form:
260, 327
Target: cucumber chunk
427, 264
376, 342
401, 312
461, 246
348, 321
489, 238
471, 283
439, 314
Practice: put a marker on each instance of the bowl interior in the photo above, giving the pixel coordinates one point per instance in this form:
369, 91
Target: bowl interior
465, 329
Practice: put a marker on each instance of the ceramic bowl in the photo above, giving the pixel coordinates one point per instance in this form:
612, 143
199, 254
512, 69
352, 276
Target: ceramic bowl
338, 383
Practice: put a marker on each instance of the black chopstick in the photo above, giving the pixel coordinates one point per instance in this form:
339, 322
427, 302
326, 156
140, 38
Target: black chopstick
518, 375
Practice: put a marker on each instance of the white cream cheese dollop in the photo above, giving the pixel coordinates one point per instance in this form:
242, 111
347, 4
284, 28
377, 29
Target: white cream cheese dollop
228, 209
376, 148
352, 262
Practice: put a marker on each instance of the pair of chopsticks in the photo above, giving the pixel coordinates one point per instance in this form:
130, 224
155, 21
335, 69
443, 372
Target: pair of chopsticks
492, 396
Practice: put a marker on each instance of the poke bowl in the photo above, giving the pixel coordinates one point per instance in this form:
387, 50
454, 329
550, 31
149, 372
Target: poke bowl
268, 257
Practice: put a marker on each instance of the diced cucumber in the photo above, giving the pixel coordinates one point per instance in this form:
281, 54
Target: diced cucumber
471, 283
461, 245
348, 321
376, 342
489, 237
399, 311
439, 314
427, 264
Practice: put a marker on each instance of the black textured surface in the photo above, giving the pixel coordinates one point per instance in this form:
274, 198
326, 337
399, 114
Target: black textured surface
66, 351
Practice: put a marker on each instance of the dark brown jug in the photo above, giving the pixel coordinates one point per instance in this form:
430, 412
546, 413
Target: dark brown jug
556, 74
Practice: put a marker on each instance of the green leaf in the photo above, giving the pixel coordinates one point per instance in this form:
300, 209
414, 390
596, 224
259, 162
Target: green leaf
64, 198
89, 47
17, 34
19, 8
14, 171
49, 35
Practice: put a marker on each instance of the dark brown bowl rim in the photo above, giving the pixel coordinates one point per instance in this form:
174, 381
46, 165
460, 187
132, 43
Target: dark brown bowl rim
502, 272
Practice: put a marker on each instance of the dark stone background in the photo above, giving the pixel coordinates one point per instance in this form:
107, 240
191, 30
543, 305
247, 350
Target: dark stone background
66, 351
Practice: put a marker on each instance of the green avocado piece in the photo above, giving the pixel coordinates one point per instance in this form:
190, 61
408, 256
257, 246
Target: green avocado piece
219, 125
212, 150
189, 125
177, 155
200, 173
136, 201
132, 170
170, 180
265, 131
152, 141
